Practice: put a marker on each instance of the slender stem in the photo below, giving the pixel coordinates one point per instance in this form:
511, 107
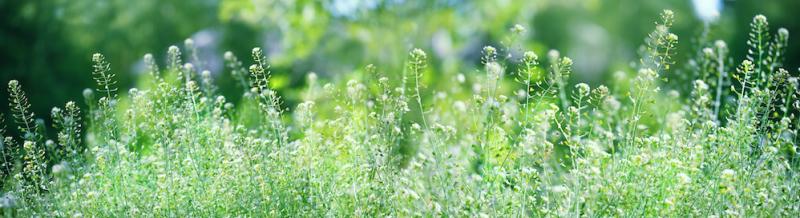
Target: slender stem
721, 75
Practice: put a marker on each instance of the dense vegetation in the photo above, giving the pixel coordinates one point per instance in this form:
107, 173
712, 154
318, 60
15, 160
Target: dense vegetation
514, 140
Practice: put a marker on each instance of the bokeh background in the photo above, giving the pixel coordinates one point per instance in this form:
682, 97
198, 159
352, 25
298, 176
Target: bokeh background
48, 44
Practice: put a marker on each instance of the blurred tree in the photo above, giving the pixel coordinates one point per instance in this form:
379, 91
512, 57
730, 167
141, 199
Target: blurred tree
34, 51
47, 44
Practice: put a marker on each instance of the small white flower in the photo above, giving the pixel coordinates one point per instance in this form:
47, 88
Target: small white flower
760, 19
518, 29
460, 106
553, 54
700, 85
312, 77
583, 89
173, 49
530, 56
133, 92
189, 66
494, 70
771, 149
728, 174
648, 74
489, 50
558, 189
566, 61
683, 178
708, 52
148, 57
783, 33
611, 104
418, 53
228, 55
720, 44
573, 110
60, 168
88, 93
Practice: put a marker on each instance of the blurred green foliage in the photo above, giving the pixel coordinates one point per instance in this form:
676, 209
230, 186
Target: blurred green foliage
47, 44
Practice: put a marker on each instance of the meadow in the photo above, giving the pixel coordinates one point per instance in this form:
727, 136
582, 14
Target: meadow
515, 139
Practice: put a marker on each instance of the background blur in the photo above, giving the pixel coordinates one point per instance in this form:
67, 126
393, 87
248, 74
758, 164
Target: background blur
47, 44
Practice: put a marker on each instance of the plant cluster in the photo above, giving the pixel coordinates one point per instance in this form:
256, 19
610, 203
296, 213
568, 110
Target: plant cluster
522, 143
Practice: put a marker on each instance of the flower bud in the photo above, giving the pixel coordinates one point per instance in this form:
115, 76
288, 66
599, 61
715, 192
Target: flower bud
88, 94
530, 56
783, 33
55, 111
720, 44
566, 61
553, 54
148, 58
173, 50
133, 92
601, 91
700, 85
418, 54
253, 68
97, 57
672, 37
189, 43
728, 174
708, 52
517, 29
189, 67
583, 89
312, 77
760, 20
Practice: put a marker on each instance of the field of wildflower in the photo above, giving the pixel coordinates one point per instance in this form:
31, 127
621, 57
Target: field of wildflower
511, 138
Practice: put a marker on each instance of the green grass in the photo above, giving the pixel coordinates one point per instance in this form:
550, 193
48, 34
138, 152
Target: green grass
514, 140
